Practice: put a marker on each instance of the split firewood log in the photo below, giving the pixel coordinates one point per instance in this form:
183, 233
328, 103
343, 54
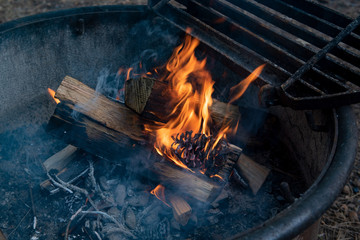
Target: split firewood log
181, 209
98, 125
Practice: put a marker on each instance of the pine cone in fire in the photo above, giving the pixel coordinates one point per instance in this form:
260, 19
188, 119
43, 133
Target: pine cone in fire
196, 151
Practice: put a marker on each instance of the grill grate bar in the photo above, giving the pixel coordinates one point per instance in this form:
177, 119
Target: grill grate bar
244, 36
294, 48
322, 12
322, 53
310, 20
276, 20
237, 54
308, 66
346, 55
325, 82
284, 52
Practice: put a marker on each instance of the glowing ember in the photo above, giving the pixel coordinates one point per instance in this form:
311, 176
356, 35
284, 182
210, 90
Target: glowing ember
159, 192
52, 94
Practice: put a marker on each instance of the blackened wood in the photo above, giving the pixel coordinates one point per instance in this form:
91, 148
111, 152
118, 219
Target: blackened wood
58, 162
74, 170
231, 158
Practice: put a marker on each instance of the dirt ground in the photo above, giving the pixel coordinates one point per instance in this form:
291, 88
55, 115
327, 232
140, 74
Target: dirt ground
341, 221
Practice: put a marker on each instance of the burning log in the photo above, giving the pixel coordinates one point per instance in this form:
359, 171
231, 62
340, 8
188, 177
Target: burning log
100, 126
152, 99
181, 209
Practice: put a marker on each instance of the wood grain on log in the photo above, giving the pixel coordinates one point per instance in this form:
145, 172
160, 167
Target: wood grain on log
255, 173
181, 209
197, 186
60, 159
106, 128
84, 100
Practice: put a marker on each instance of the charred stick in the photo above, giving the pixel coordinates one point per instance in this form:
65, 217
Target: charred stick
285, 190
120, 226
33, 207
58, 184
238, 179
71, 219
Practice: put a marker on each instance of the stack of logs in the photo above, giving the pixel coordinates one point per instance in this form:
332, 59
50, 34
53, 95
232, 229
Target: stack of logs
103, 127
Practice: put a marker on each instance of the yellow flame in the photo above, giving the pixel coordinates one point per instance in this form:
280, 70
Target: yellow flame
191, 88
52, 94
159, 193
238, 90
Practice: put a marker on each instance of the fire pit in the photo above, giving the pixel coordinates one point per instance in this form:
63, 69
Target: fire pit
91, 43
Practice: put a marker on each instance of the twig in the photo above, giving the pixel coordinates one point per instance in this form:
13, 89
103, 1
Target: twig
71, 186
121, 227
91, 174
33, 207
77, 189
145, 211
93, 180
98, 235
58, 184
71, 219
19, 223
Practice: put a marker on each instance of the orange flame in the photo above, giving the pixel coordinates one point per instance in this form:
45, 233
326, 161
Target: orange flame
191, 88
159, 193
238, 90
217, 176
52, 94
128, 73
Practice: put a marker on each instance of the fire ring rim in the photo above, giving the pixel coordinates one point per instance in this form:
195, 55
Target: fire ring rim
303, 212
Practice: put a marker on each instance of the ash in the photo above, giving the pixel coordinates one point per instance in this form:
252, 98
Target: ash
110, 201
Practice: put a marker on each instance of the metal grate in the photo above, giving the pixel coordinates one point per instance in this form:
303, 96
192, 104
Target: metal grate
312, 53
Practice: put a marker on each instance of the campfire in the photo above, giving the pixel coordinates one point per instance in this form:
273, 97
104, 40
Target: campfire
171, 113
188, 132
